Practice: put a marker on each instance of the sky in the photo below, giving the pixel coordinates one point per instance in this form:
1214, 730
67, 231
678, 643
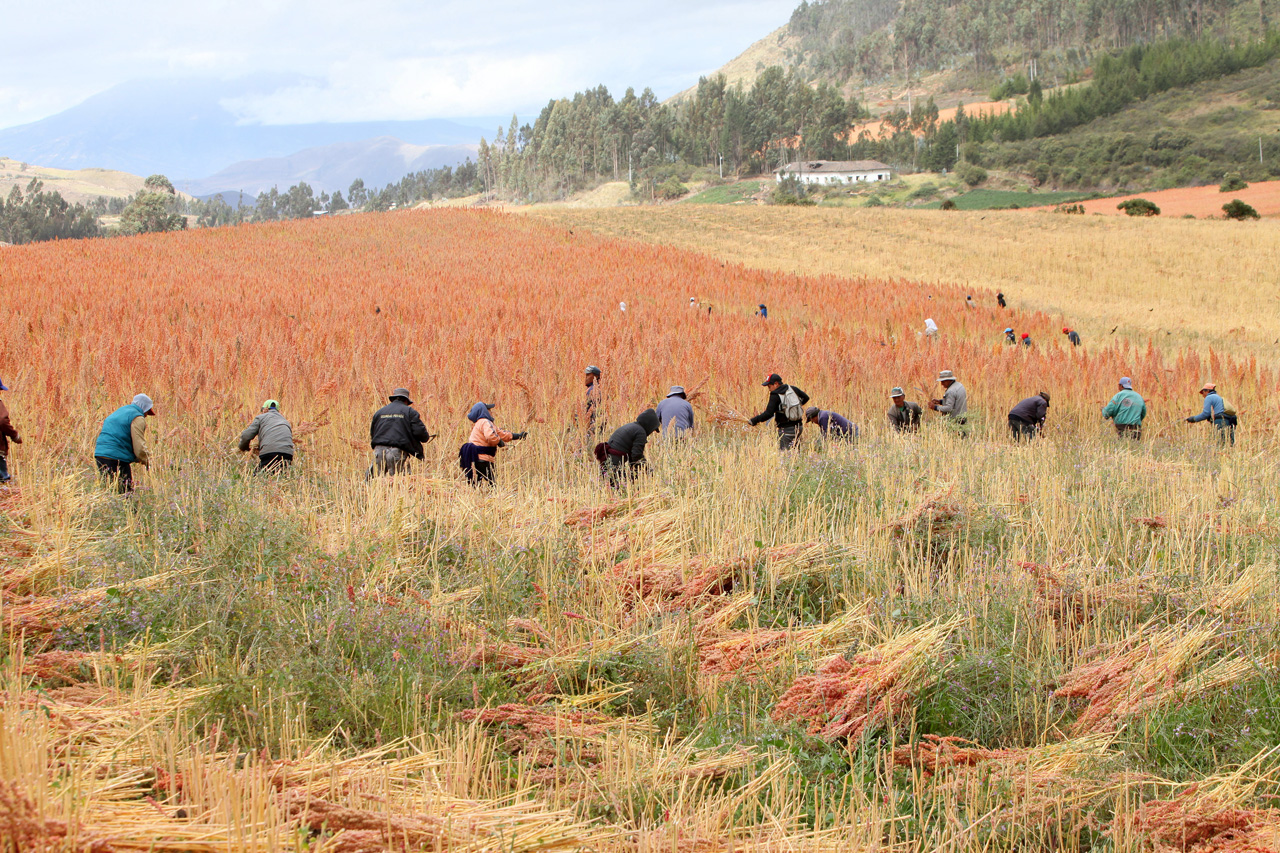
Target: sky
378, 59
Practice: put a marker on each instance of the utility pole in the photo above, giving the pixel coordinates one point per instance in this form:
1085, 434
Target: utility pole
1259, 149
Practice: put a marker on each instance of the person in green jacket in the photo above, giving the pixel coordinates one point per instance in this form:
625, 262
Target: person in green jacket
1126, 410
123, 441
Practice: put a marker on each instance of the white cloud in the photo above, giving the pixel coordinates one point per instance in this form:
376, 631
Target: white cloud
381, 59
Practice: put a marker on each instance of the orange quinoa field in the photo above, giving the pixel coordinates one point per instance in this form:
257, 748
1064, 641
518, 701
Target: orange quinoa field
1200, 202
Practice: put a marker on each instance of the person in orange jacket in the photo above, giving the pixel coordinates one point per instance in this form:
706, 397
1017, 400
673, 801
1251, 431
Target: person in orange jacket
477, 456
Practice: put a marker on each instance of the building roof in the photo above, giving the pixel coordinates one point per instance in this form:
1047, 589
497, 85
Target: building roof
835, 166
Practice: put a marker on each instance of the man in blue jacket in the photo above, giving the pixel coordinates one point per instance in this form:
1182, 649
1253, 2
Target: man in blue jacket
123, 441
1216, 410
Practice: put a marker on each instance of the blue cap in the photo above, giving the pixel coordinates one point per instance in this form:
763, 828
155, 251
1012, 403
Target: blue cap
1126, 382
1008, 330
3, 387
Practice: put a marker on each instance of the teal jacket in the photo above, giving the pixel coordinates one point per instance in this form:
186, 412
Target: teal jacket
116, 439
1127, 408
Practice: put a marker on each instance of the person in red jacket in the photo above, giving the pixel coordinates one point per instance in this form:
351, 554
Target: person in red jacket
7, 432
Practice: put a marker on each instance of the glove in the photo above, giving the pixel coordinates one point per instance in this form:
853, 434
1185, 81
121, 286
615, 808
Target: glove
519, 435
1191, 420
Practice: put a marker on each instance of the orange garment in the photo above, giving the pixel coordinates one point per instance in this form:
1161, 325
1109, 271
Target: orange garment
485, 434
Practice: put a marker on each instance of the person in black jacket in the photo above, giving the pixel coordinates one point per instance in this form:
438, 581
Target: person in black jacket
788, 429
623, 454
395, 434
1026, 419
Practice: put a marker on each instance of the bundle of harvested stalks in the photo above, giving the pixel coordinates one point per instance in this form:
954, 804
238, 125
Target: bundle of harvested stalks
720, 413
630, 508
62, 668
1072, 599
23, 828
529, 728
751, 654
934, 513
1155, 522
1204, 824
1148, 670
37, 616
845, 699
934, 752
675, 585
797, 560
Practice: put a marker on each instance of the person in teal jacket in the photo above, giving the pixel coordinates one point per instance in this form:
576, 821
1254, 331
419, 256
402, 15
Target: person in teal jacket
123, 441
1126, 410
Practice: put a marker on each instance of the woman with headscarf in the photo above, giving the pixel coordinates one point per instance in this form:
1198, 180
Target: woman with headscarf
476, 457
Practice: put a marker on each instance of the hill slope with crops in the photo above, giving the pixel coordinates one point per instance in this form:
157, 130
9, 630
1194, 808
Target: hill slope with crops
917, 642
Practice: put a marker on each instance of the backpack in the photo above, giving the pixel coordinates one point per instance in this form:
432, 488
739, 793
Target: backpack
1228, 409
791, 408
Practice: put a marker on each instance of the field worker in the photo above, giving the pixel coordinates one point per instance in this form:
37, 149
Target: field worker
1010, 337
123, 441
930, 327
675, 413
762, 311
476, 457
693, 302
396, 433
1126, 410
1072, 335
622, 306
831, 425
622, 456
275, 438
1000, 299
904, 416
1216, 409
1026, 339
955, 400
592, 377
969, 303
786, 407
1026, 419
7, 431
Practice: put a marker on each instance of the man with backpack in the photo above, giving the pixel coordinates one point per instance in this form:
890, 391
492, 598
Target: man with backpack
1219, 411
396, 433
786, 407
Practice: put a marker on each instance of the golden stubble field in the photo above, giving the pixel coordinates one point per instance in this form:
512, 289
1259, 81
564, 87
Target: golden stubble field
908, 643
1200, 284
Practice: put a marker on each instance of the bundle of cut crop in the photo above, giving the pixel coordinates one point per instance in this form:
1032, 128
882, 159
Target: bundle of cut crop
21, 824
37, 616
1150, 669
66, 667
753, 653
847, 698
631, 507
721, 413
1072, 599
934, 752
933, 513
1205, 824
800, 559
676, 585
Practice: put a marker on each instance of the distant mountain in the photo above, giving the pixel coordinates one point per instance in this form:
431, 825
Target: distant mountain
327, 168
182, 129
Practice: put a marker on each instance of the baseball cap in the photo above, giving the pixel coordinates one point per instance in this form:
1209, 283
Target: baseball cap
271, 404
1065, 330
772, 378
896, 392
1025, 335
3, 387
592, 369
1008, 330
1209, 386
1126, 382
811, 412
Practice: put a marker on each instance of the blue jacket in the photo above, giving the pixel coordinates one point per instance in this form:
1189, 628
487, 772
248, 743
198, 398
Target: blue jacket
116, 439
1213, 408
835, 425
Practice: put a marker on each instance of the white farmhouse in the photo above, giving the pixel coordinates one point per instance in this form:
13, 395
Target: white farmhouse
835, 171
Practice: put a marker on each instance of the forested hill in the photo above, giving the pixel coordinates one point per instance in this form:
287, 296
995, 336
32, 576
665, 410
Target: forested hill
862, 41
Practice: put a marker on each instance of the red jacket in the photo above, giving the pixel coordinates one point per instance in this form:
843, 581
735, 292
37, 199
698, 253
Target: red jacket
6, 431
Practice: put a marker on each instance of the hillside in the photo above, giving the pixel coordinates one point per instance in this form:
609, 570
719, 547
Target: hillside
74, 185
880, 48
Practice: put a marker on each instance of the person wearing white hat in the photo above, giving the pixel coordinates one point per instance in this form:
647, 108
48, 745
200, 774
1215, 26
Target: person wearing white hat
1126, 410
7, 432
955, 400
675, 413
123, 441
1217, 410
275, 438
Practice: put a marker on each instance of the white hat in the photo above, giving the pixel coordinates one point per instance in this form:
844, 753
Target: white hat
945, 375
675, 389
142, 401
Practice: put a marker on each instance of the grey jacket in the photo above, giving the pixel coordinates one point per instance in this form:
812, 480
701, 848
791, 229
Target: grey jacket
274, 433
955, 401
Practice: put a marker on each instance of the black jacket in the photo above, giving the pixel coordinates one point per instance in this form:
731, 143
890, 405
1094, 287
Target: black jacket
1030, 411
631, 438
774, 409
398, 425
